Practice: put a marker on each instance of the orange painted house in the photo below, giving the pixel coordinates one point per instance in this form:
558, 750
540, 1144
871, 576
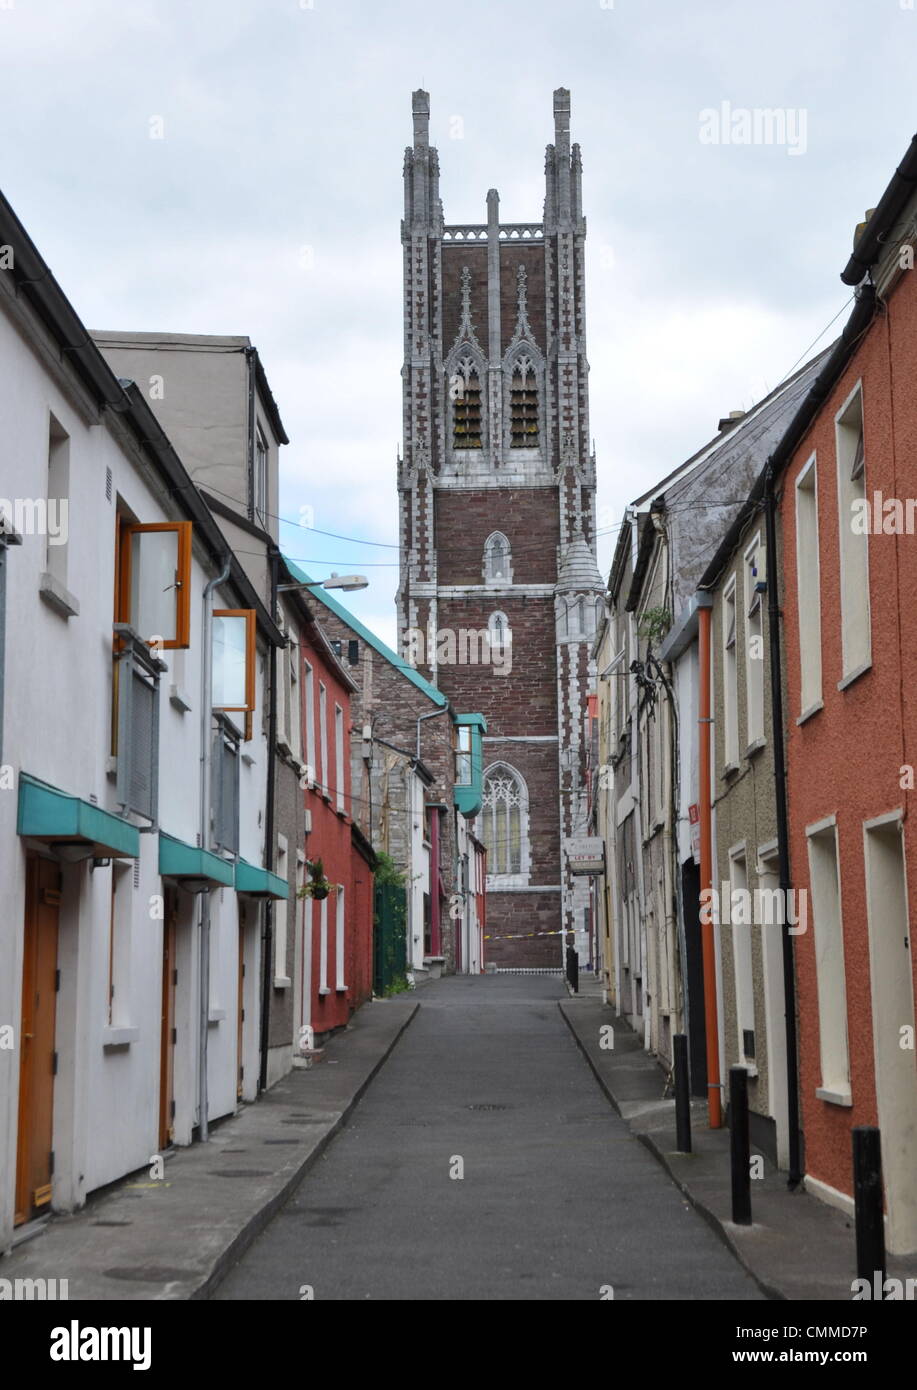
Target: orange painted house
849, 568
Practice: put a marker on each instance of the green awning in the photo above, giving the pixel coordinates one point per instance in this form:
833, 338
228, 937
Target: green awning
259, 883
47, 814
178, 860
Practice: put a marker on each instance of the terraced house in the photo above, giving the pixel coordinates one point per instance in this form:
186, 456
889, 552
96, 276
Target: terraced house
135, 774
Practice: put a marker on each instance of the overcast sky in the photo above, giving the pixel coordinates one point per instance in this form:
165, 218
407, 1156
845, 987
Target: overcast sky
271, 206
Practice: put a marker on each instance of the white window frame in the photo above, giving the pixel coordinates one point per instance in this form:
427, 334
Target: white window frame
490, 545
281, 976
323, 947
730, 676
339, 773
853, 549
808, 590
339, 924
323, 734
743, 959
309, 700
754, 666
828, 927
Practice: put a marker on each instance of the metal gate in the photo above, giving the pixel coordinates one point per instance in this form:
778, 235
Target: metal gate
389, 937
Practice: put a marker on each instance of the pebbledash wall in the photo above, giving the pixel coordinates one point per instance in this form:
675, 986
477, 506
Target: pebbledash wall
56, 739
851, 721
497, 504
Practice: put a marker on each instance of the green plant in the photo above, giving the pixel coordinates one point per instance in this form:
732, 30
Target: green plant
318, 886
387, 871
656, 623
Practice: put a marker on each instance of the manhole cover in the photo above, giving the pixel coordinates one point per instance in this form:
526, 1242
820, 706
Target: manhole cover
151, 1274
484, 1106
241, 1173
112, 1223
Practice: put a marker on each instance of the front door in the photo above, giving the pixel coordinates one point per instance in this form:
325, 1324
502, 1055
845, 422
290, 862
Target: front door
38, 1060
167, 1025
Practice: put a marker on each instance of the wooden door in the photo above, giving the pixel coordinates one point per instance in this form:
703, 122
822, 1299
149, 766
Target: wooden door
167, 1025
240, 1026
38, 1060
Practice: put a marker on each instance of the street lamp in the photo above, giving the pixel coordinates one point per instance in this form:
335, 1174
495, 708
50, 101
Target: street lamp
349, 582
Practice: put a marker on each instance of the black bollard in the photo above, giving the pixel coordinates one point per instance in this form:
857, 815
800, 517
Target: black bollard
867, 1196
682, 1094
739, 1146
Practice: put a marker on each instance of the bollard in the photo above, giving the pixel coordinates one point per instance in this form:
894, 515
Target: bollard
867, 1196
682, 1094
573, 969
739, 1146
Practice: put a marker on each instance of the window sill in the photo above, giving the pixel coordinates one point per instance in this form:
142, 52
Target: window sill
855, 674
751, 1069
216, 1016
119, 1037
844, 1097
179, 700
730, 770
341, 989
323, 989
810, 710
282, 982
755, 746
52, 592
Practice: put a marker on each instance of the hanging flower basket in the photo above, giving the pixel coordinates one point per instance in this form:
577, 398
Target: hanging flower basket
318, 885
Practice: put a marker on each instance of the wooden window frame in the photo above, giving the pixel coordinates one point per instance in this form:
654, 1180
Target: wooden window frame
251, 646
184, 531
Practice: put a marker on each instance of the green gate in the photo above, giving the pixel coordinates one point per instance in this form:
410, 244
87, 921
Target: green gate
389, 937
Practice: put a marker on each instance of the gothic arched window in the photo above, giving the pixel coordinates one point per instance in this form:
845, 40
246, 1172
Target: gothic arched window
504, 823
465, 394
523, 405
498, 564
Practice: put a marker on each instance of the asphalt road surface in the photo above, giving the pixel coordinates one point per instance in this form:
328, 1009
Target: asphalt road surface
556, 1199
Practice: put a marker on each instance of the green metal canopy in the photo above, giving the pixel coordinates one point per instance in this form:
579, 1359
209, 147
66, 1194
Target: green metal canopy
182, 861
259, 883
62, 820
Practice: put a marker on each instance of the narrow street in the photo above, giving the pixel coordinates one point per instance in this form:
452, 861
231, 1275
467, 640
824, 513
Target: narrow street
557, 1198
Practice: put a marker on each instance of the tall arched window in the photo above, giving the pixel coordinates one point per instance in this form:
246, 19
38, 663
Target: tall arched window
523, 405
498, 565
504, 823
465, 393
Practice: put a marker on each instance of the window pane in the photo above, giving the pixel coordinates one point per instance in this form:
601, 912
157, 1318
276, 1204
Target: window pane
154, 566
229, 662
515, 841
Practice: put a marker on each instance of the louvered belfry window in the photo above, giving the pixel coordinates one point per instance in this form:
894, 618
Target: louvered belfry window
466, 412
523, 406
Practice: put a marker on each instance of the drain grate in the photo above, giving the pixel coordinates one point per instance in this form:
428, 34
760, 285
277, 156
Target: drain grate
281, 1141
151, 1274
241, 1173
489, 1106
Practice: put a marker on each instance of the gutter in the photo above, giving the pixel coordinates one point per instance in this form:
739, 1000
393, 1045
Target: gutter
891, 205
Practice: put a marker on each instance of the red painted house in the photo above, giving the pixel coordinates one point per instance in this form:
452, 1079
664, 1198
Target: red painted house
334, 927
850, 594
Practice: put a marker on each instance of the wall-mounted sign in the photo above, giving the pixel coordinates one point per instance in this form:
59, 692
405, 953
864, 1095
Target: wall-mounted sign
586, 856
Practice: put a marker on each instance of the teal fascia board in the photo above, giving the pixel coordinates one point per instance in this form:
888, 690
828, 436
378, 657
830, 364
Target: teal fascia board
45, 813
178, 860
260, 883
468, 799
331, 603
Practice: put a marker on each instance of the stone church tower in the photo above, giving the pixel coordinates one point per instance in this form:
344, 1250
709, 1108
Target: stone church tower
499, 585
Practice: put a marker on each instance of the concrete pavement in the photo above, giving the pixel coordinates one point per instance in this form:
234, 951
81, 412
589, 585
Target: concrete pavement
557, 1198
174, 1238
798, 1247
